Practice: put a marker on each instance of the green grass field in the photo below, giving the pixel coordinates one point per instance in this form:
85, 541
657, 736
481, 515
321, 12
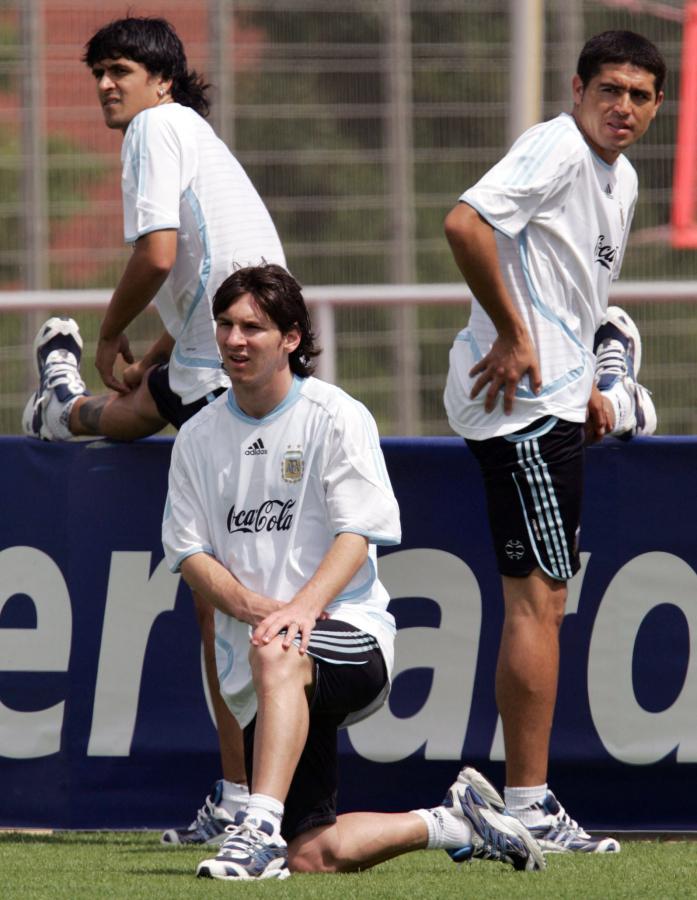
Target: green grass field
133, 865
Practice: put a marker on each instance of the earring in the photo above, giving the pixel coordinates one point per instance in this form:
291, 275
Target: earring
161, 92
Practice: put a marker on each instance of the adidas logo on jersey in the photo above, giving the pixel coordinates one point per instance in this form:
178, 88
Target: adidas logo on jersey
256, 449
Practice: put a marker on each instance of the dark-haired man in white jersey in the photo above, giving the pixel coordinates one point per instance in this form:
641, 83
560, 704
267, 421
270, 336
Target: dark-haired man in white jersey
539, 239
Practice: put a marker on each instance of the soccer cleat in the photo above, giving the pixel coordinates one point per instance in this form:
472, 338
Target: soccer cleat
58, 350
617, 345
211, 820
495, 834
251, 849
557, 832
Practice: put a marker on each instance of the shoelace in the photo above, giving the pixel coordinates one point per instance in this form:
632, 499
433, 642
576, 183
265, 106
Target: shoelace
567, 827
245, 837
497, 846
63, 373
610, 359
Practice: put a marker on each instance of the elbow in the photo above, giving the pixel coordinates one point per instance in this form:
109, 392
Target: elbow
456, 224
467, 233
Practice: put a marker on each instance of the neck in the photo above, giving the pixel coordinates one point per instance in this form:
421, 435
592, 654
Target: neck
607, 156
259, 403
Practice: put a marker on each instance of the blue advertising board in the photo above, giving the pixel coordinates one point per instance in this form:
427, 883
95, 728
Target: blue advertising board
104, 721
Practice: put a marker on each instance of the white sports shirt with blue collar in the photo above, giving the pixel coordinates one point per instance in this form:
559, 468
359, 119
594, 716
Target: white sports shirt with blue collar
266, 497
561, 217
178, 174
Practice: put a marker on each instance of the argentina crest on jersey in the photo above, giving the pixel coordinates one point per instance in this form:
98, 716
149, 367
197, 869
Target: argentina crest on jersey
292, 465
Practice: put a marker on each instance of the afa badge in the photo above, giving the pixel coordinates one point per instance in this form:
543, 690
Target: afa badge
292, 465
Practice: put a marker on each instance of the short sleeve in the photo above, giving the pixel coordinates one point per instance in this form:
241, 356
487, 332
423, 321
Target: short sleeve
359, 495
151, 176
535, 175
184, 524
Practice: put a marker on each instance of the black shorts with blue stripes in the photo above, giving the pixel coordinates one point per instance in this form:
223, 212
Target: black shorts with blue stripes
350, 680
533, 480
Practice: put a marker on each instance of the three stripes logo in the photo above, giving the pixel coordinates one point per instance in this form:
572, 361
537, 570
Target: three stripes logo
256, 449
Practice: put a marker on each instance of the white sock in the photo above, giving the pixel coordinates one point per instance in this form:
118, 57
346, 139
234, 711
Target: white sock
519, 799
235, 797
622, 402
445, 831
262, 806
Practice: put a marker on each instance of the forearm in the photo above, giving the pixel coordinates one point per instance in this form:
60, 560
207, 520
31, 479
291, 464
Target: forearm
217, 585
342, 561
146, 271
159, 352
474, 249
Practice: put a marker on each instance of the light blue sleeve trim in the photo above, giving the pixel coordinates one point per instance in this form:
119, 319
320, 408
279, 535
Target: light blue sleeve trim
131, 239
380, 540
204, 548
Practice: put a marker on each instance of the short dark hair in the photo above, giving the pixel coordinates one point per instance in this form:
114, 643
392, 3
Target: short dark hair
278, 295
620, 47
155, 44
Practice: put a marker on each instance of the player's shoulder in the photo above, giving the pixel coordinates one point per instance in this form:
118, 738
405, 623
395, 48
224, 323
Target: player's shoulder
198, 428
169, 119
332, 399
558, 137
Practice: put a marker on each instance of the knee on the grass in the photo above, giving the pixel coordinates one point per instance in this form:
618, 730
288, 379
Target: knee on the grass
306, 857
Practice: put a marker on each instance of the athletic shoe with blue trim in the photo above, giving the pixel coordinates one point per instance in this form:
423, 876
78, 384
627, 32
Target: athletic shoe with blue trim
495, 834
617, 346
212, 820
58, 351
557, 832
252, 849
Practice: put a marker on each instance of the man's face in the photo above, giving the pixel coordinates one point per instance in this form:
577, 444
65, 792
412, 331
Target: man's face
125, 88
253, 349
616, 107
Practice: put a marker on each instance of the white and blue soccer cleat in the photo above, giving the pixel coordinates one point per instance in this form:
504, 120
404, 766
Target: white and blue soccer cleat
495, 834
557, 832
252, 849
209, 826
617, 348
58, 351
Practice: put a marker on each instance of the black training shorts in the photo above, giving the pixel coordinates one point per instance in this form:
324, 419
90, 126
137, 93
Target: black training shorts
534, 482
350, 675
168, 403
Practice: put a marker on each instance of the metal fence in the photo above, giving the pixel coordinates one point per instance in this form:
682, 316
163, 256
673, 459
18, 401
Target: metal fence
360, 123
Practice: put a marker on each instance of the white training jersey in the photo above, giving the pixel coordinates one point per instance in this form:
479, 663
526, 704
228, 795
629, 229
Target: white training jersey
266, 497
561, 217
178, 174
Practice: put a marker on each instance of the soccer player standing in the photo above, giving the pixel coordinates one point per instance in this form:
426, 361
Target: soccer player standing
191, 215
278, 496
539, 239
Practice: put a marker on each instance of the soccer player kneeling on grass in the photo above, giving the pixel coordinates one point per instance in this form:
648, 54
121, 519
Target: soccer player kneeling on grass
278, 496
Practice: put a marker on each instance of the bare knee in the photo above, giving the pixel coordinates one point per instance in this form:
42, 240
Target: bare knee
310, 853
537, 599
272, 664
